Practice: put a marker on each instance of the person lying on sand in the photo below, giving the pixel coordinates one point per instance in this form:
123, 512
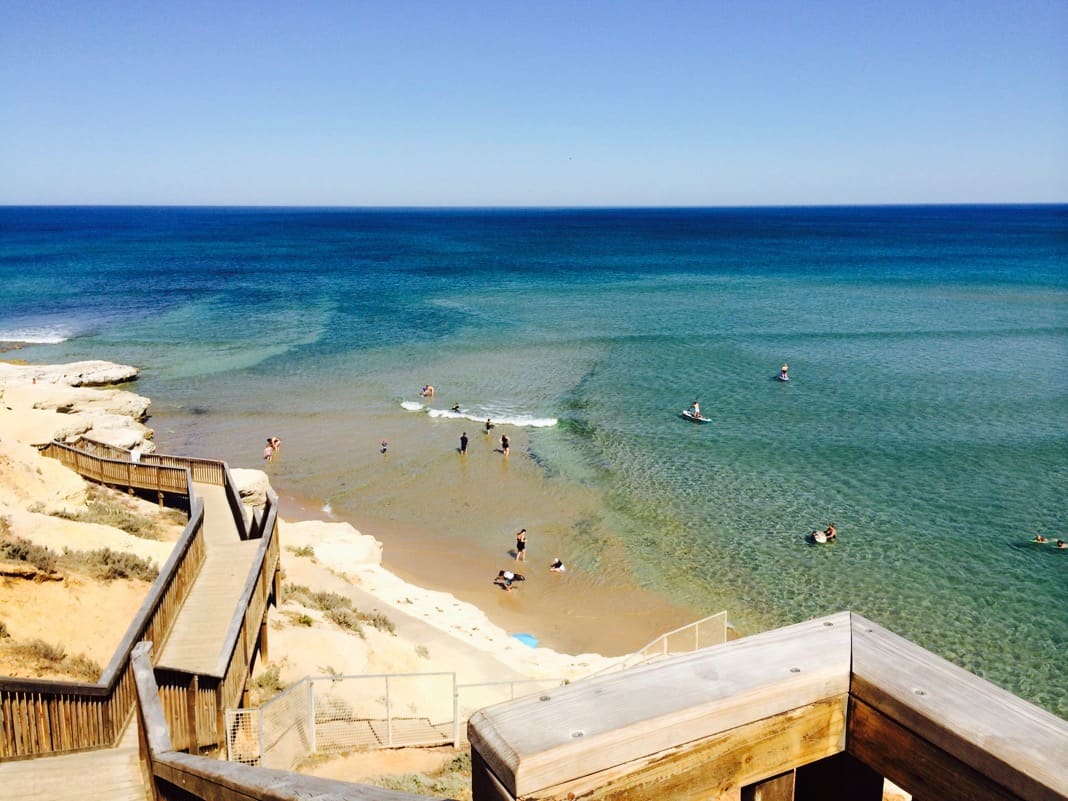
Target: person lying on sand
506, 577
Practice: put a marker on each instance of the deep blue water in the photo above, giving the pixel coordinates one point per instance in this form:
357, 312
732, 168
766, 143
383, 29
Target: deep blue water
927, 415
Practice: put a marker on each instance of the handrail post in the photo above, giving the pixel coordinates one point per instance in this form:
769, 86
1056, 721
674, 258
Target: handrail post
455, 713
389, 717
311, 715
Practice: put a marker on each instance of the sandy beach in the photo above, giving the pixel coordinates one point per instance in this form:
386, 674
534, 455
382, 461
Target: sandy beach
447, 613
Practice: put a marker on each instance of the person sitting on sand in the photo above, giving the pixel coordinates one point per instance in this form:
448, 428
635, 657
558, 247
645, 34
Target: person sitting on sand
557, 566
506, 577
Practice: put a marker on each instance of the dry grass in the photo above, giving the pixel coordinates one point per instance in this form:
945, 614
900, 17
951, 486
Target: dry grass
452, 781
105, 565
106, 507
16, 549
40, 657
338, 609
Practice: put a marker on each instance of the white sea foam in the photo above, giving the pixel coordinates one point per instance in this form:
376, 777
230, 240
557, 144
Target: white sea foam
328, 509
413, 406
34, 336
521, 420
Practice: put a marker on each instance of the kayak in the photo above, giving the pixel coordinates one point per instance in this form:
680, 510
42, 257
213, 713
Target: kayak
696, 418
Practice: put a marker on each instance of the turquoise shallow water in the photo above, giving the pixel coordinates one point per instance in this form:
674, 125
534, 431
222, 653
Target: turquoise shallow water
927, 415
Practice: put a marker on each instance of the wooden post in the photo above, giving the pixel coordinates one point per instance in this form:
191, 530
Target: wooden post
191, 714
220, 715
263, 637
777, 788
841, 777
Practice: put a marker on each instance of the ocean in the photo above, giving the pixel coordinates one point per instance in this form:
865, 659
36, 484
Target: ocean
926, 415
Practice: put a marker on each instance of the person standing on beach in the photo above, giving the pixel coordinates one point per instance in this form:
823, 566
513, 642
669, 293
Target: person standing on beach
521, 545
504, 444
463, 444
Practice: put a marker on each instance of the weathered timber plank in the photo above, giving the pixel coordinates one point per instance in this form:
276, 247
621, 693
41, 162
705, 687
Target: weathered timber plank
231, 781
720, 766
916, 765
612, 720
1016, 744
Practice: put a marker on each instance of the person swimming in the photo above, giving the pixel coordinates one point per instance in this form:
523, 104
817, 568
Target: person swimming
456, 408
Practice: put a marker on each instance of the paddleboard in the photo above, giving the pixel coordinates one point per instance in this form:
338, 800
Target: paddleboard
695, 418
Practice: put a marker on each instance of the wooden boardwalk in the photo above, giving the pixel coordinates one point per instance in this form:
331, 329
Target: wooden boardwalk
196, 640
195, 645
112, 774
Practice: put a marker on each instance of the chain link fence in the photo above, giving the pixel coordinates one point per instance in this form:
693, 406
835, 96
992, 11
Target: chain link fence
334, 714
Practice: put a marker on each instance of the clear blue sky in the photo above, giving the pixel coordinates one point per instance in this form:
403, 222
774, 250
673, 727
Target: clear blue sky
711, 102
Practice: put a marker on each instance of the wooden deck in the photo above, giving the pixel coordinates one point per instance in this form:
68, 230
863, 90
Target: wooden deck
196, 642
113, 774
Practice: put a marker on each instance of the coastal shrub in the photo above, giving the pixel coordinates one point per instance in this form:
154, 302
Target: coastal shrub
303, 550
82, 667
346, 619
330, 600
422, 651
42, 651
269, 682
305, 620
444, 785
106, 565
298, 593
107, 508
18, 549
5, 526
45, 655
379, 621
338, 608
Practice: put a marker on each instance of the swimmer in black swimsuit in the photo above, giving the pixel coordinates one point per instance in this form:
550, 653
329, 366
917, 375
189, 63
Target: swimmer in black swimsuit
521, 545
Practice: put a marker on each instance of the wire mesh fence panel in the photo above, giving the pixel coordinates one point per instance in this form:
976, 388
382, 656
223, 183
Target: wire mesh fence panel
243, 736
360, 712
286, 730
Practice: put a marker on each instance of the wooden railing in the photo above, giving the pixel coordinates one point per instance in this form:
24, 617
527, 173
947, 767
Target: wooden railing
175, 776
41, 717
47, 717
120, 472
824, 709
195, 704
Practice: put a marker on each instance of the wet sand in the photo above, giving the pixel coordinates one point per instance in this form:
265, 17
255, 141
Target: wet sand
447, 522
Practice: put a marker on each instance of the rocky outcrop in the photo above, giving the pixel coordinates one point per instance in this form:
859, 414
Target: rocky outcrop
252, 485
75, 374
50, 402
